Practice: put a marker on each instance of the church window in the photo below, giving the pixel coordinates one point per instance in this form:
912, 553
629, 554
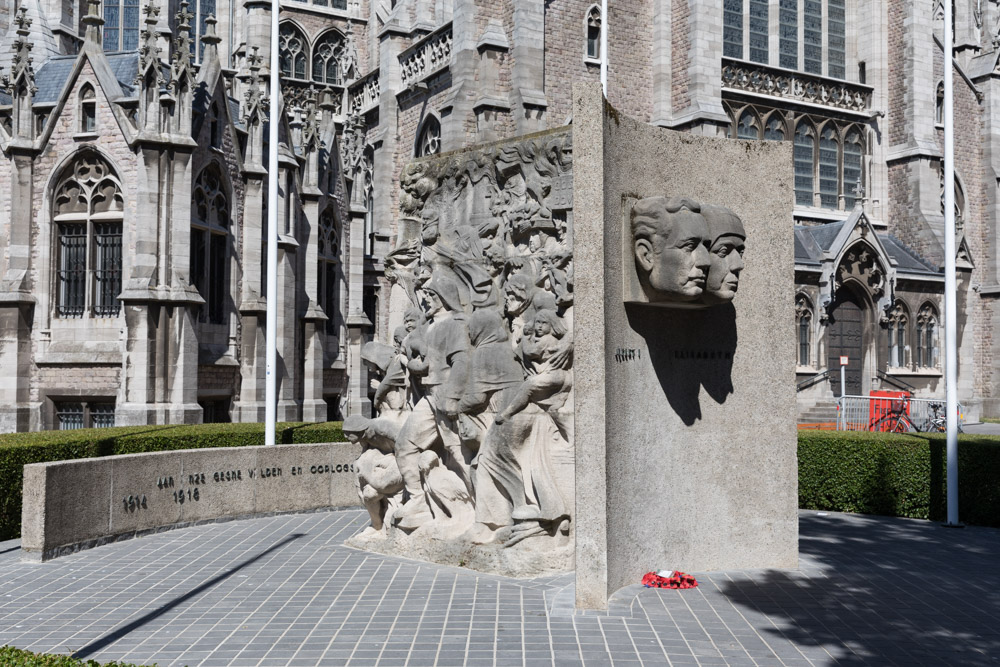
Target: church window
788, 34
774, 129
748, 127
939, 105
329, 253
209, 244
896, 330
594, 33
73, 415
828, 172
805, 147
853, 152
327, 52
292, 51
803, 326
812, 36
368, 174
927, 332
214, 133
121, 25
203, 9
732, 28
87, 211
429, 139
758, 31
88, 109
836, 43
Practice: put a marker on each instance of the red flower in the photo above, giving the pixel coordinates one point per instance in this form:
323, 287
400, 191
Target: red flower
677, 579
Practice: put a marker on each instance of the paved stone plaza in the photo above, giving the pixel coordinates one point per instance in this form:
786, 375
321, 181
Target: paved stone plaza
285, 591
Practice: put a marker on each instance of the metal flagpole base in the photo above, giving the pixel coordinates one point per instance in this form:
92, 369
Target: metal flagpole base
953, 525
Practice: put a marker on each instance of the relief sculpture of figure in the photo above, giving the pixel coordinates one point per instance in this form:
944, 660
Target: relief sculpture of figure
380, 485
725, 254
432, 421
670, 242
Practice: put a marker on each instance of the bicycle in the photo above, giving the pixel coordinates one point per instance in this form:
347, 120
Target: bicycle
939, 422
896, 419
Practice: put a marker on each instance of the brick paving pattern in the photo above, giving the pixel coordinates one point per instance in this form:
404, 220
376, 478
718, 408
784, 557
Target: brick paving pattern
285, 591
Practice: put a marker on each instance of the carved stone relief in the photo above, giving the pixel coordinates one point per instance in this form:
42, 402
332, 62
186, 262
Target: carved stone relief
686, 254
479, 379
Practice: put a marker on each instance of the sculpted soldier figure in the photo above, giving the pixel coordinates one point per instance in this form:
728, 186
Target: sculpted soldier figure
670, 243
725, 254
432, 422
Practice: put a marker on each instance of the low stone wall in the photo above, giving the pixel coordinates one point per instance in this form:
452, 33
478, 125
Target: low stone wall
73, 505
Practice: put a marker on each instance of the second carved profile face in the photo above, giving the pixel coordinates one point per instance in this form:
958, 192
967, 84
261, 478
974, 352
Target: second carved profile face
686, 253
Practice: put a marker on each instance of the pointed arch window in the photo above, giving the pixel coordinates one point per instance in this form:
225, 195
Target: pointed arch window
327, 54
732, 28
896, 329
88, 208
788, 34
429, 139
927, 335
88, 109
803, 329
594, 33
803, 155
121, 25
329, 260
774, 129
368, 176
214, 129
748, 127
759, 31
293, 51
210, 244
836, 48
853, 153
939, 105
828, 172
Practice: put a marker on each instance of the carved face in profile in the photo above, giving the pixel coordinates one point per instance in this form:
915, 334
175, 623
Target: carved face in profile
516, 294
725, 253
671, 241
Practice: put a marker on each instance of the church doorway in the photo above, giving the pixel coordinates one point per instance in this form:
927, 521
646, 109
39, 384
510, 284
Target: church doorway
845, 338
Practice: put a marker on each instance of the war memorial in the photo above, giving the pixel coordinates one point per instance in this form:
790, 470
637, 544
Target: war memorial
572, 385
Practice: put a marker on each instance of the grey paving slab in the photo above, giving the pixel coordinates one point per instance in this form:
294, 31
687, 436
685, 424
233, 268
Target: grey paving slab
285, 591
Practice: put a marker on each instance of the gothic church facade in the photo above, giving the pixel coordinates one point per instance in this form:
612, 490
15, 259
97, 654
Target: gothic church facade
133, 183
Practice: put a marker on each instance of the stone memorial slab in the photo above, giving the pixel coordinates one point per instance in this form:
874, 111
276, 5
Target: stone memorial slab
684, 395
71, 505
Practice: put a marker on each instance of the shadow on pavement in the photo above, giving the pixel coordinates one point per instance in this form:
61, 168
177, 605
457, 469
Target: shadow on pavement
885, 591
115, 635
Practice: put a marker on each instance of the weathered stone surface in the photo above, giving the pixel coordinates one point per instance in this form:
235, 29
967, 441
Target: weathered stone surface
69, 505
688, 413
524, 560
479, 379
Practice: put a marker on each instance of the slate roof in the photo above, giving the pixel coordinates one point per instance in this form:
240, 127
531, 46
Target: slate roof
51, 77
234, 112
811, 242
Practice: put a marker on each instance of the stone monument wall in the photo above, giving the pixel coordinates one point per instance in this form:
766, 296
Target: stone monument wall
684, 396
73, 505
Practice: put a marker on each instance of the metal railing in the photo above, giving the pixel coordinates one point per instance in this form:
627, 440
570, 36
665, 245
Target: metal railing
884, 413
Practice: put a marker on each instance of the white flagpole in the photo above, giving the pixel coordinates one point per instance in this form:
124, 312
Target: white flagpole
271, 331
604, 46
950, 291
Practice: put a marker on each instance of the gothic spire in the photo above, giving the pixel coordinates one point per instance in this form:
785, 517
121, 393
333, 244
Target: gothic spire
21, 82
256, 99
149, 50
93, 21
180, 63
310, 129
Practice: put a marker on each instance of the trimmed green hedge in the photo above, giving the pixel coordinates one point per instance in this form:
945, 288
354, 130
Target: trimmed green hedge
19, 449
898, 475
15, 657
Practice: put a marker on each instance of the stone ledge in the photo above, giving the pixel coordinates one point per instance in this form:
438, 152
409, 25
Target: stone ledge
74, 505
